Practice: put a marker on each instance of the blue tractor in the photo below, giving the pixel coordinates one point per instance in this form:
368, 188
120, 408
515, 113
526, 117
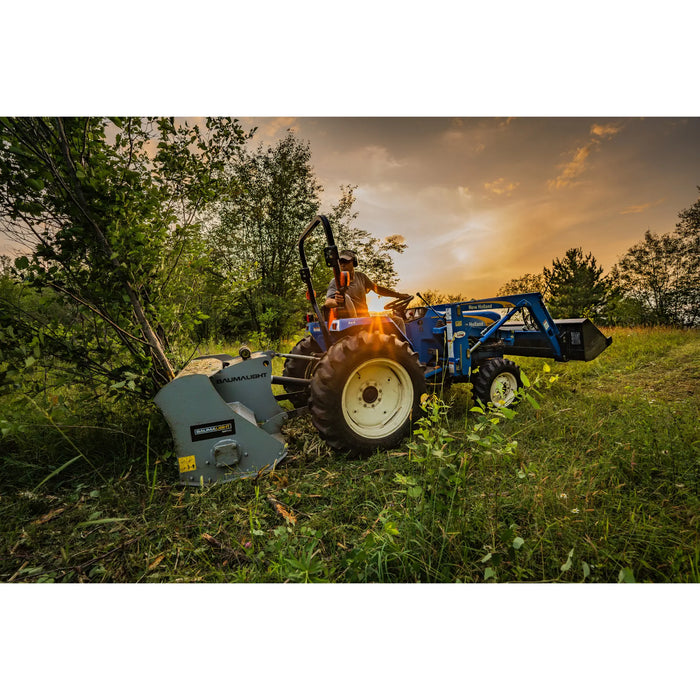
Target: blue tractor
362, 378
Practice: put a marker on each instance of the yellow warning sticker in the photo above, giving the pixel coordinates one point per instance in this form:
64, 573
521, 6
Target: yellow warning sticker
187, 464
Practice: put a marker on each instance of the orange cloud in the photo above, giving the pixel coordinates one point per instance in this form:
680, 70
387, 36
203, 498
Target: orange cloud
500, 186
605, 130
571, 170
577, 165
638, 208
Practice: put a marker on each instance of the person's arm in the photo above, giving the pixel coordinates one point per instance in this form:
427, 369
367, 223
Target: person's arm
334, 301
386, 292
333, 297
379, 290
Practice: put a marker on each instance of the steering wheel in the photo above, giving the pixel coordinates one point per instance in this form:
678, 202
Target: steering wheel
398, 304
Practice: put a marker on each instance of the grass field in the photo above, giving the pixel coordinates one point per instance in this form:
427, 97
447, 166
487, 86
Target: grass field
595, 478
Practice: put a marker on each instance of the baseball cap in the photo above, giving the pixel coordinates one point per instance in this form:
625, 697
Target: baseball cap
348, 255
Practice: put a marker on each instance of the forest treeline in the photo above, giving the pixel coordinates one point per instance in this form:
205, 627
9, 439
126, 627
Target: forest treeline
143, 237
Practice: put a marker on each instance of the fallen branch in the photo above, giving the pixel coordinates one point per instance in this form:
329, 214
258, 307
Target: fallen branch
282, 509
49, 516
227, 551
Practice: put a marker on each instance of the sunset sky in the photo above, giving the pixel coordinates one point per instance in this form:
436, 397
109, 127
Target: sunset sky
480, 201
483, 200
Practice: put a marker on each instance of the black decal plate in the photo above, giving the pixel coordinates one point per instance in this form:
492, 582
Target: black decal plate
207, 431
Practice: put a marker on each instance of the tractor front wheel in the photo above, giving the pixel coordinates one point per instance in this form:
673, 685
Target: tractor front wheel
497, 382
366, 392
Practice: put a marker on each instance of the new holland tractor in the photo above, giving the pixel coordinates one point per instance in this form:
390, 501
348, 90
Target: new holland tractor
361, 379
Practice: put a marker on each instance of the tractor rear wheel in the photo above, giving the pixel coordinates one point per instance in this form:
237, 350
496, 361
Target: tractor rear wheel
366, 392
497, 382
300, 369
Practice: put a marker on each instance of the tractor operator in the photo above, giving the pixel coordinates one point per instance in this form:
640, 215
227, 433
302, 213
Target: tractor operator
355, 298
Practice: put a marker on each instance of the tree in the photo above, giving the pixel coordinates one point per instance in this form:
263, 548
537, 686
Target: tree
657, 281
373, 253
688, 232
623, 308
254, 241
523, 285
688, 228
655, 277
275, 196
576, 286
107, 209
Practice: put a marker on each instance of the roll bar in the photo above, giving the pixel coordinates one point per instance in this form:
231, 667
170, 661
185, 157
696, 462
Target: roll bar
330, 253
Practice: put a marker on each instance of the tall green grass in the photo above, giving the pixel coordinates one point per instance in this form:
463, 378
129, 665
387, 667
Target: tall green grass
597, 480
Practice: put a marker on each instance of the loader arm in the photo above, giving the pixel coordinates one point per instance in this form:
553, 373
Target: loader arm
535, 305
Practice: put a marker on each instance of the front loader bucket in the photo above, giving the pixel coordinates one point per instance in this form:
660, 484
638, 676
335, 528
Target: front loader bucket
224, 418
579, 339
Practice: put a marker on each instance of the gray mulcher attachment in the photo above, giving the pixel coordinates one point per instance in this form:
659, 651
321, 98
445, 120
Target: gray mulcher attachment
224, 418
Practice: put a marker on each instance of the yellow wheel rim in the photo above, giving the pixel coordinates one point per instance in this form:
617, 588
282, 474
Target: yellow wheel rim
377, 398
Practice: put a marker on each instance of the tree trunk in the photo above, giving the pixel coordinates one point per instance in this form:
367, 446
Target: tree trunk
163, 369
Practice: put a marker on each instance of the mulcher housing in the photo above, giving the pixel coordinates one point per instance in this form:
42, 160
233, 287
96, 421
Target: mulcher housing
223, 417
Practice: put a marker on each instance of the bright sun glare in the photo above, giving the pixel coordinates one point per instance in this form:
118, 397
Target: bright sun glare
375, 304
